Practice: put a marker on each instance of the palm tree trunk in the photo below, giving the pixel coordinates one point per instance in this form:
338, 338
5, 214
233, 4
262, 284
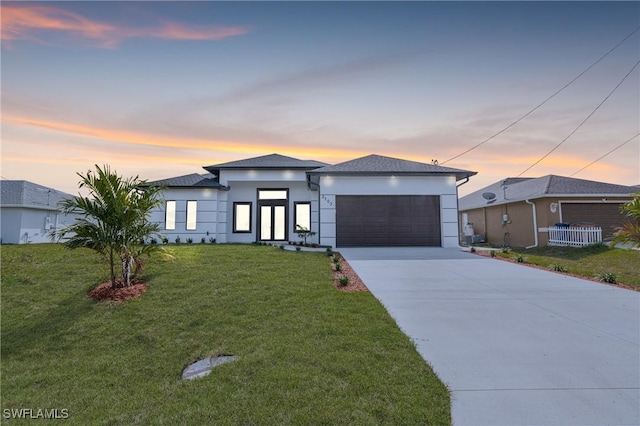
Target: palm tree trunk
127, 260
113, 268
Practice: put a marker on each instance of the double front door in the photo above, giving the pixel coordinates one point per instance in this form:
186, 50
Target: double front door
273, 222
272, 214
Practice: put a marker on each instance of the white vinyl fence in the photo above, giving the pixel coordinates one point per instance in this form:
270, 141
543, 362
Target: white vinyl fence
574, 236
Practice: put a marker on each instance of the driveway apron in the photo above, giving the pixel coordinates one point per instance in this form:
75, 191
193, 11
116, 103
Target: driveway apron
515, 345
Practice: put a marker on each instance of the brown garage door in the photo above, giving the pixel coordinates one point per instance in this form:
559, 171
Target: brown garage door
394, 220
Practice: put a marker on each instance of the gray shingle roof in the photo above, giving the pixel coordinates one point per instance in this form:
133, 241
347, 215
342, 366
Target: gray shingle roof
378, 164
519, 189
22, 193
272, 161
186, 181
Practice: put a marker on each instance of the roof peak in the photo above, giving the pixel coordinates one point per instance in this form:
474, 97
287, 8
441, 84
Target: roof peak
380, 164
275, 161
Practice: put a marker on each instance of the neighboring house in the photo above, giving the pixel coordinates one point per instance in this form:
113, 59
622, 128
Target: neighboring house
29, 212
518, 211
370, 201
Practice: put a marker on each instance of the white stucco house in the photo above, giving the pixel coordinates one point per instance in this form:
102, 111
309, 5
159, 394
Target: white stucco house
369, 201
29, 212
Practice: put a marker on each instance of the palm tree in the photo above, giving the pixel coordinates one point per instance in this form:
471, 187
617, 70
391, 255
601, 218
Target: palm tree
629, 232
114, 219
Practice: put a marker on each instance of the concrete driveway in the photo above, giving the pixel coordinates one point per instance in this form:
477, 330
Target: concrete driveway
516, 345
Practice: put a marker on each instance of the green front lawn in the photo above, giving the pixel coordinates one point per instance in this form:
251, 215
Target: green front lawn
307, 353
587, 261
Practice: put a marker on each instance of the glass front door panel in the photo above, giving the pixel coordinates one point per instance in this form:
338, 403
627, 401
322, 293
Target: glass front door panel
265, 222
279, 223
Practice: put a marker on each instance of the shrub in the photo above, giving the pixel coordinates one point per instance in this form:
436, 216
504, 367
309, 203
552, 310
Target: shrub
298, 248
607, 277
343, 280
189, 240
329, 251
472, 249
557, 268
178, 239
521, 259
212, 240
203, 240
153, 241
304, 233
492, 253
629, 231
338, 266
597, 246
165, 240
506, 249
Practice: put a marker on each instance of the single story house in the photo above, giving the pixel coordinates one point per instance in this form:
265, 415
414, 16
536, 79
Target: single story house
369, 201
29, 212
519, 211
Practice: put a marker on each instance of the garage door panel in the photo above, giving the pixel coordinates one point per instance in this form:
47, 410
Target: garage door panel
352, 223
395, 220
401, 229
375, 230
401, 210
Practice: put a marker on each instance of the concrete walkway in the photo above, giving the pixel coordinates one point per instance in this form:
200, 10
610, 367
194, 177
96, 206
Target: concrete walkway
516, 345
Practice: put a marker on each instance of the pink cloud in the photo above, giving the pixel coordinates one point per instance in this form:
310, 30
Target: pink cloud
177, 31
29, 22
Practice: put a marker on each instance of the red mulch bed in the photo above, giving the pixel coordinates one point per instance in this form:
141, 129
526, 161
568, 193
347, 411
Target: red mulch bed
105, 292
355, 283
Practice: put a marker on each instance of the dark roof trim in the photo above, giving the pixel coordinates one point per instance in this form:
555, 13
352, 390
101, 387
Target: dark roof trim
374, 173
187, 181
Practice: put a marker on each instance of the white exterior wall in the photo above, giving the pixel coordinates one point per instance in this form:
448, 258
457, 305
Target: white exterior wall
244, 186
206, 217
10, 219
227, 177
21, 225
215, 206
444, 186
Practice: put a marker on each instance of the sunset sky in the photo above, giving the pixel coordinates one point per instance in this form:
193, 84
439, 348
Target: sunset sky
159, 89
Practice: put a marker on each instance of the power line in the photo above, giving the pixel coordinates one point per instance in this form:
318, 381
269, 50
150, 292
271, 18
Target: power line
614, 149
546, 100
583, 121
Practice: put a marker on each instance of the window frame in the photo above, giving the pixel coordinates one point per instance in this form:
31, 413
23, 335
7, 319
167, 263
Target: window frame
166, 215
295, 214
195, 215
267, 200
235, 217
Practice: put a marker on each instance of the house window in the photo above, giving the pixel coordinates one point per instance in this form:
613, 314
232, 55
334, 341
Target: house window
303, 216
170, 217
272, 194
241, 217
192, 212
